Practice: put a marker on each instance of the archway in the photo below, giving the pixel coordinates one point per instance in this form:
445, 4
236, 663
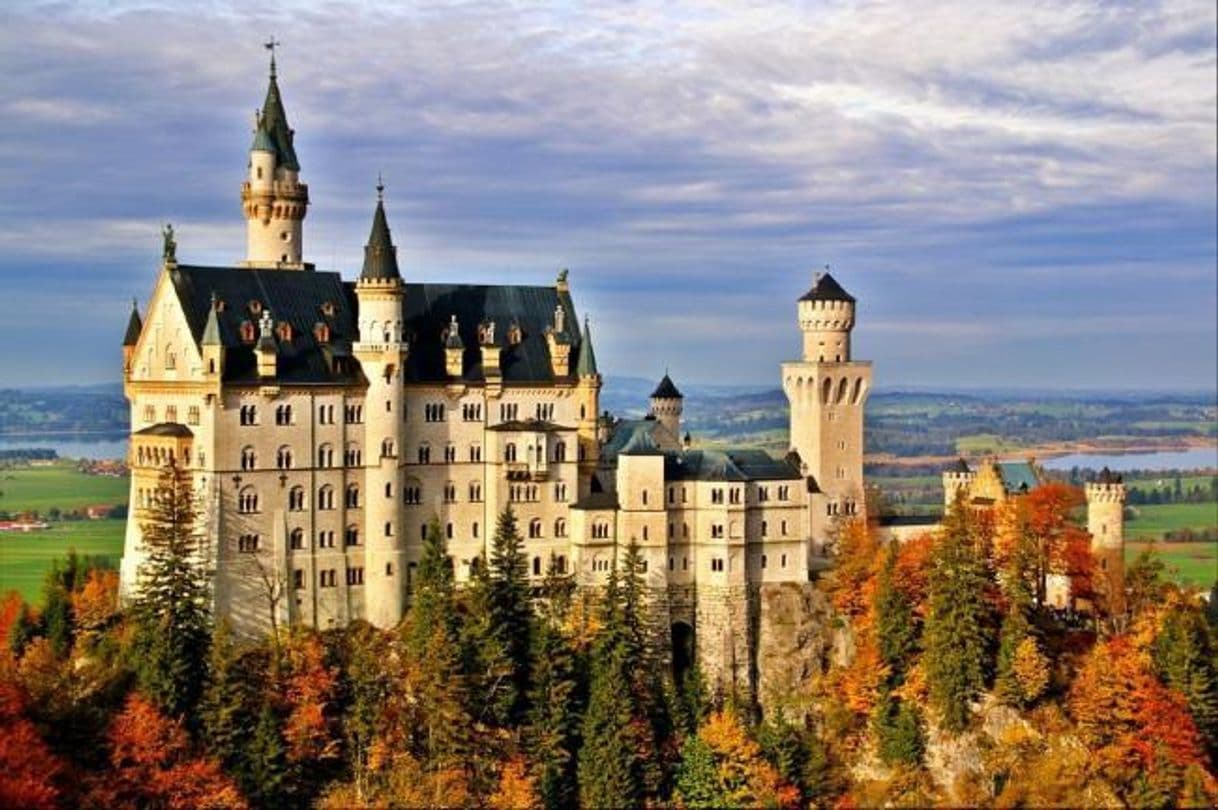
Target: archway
682, 652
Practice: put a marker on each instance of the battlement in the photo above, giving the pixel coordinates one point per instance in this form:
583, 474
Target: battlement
1108, 492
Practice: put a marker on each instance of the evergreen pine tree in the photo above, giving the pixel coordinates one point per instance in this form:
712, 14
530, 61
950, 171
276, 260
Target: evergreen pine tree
608, 768
492, 693
1183, 656
552, 722
265, 762
24, 628
227, 709
57, 604
784, 747
432, 605
511, 615
647, 667
896, 633
898, 731
958, 632
697, 782
172, 607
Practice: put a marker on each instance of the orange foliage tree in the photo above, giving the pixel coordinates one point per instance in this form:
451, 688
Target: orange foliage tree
745, 777
856, 556
28, 769
311, 690
1035, 536
516, 789
95, 604
153, 765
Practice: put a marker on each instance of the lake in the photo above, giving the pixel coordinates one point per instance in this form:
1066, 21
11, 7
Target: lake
1193, 459
72, 445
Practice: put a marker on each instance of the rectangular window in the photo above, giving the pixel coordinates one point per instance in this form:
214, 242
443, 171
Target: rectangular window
298, 580
149, 413
192, 415
355, 576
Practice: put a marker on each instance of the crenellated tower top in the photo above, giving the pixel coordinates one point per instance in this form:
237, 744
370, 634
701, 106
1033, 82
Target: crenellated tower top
826, 317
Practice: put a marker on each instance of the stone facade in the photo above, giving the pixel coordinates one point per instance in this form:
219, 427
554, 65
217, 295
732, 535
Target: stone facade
327, 422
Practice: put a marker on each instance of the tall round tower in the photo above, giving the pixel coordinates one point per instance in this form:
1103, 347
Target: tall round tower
666, 405
1106, 523
381, 351
273, 199
826, 316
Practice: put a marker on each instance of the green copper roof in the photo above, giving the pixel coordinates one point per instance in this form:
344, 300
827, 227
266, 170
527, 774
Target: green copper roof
585, 364
275, 122
211, 331
380, 256
1018, 476
262, 141
134, 326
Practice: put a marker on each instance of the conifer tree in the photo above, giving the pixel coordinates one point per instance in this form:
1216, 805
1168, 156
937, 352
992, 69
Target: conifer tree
265, 761
896, 633
958, 629
432, 606
898, 731
57, 605
511, 614
226, 711
697, 781
552, 731
647, 668
1183, 656
609, 757
485, 654
172, 608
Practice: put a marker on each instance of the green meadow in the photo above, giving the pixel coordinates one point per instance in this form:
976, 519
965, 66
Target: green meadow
1193, 564
58, 485
1152, 521
26, 556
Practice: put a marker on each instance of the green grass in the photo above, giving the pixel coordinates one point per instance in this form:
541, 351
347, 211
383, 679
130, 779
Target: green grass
1193, 564
1152, 521
984, 444
26, 557
59, 485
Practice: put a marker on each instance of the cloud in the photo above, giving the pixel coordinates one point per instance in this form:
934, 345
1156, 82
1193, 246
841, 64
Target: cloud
691, 162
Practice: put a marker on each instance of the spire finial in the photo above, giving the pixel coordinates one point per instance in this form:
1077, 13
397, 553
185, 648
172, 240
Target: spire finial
271, 44
380, 188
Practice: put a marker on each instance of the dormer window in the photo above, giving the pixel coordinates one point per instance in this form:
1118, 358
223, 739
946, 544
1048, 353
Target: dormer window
219, 305
255, 307
285, 331
328, 309
514, 334
321, 332
248, 332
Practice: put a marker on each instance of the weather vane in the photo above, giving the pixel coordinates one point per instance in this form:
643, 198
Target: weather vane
380, 188
271, 44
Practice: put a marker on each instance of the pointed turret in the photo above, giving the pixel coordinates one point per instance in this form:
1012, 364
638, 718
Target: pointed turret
134, 325
211, 343
274, 122
666, 406
585, 365
211, 330
380, 255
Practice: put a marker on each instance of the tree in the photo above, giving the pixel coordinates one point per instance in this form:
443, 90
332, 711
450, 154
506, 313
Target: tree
171, 609
511, 613
227, 708
516, 789
1022, 669
1036, 537
1184, 659
57, 606
855, 550
896, 633
553, 718
29, 770
432, 605
265, 761
744, 778
697, 779
958, 631
898, 732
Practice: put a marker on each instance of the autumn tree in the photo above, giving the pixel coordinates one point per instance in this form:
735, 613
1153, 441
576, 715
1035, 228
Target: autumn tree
29, 771
897, 726
172, 606
1037, 537
1184, 658
957, 635
855, 551
724, 767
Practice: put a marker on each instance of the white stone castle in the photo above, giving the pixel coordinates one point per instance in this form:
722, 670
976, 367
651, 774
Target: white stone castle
327, 422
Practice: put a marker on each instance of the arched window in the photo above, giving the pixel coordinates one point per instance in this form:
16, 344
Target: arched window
353, 457
249, 459
424, 453
560, 452
283, 458
351, 536
560, 528
841, 390
325, 456
509, 452
535, 528
352, 496
325, 498
247, 501
296, 540
387, 449
825, 390
247, 543
283, 415
171, 358
537, 566
296, 499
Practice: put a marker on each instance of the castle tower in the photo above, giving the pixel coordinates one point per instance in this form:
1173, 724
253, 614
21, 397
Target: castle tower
381, 351
827, 390
1106, 523
957, 479
131, 337
272, 197
587, 389
666, 406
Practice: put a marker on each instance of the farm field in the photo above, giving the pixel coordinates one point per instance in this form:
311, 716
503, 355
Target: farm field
26, 556
1187, 563
59, 485
1151, 521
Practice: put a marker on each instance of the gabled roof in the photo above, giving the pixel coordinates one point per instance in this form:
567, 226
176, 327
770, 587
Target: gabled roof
134, 326
298, 298
666, 390
380, 256
826, 288
743, 464
1018, 476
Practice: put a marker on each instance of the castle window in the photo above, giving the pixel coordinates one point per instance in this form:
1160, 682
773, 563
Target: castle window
352, 499
353, 414
283, 415
508, 411
545, 411
171, 359
285, 329
296, 540
672, 563
717, 530
560, 452
355, 576
600, 530
321, 332
450, 453
388, 529
784, 493
560, 492
171, 413
763, 494
325, 539
249, 459
298, 580
475, 453
296, 499
534, 528
560, 528
644, 496
192, 415
450, 492
325, 456
474, 529
672, 496
249, 415
644, 535
537, 566
388, 489
248, 332
424, 453
247, 543
685, 563
327, 578
784, 561
433, 412
763, 561
475, 492
471, 411
328, 309
283, 458
247, 501
765, 529
716, 564
387, 449
149, 413
784, 528
413, 494
509, 452
716, 495
685, 531
351, 536
325, 498
352, 457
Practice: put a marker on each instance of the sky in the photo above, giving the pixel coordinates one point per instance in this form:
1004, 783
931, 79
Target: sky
1019, 194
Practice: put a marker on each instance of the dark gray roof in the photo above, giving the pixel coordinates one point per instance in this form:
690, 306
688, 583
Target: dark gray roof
275, 121
959, 466
641, 443
597, 500
747, 464
585, 362
826, 288
299, 297
666, 390
380, 256
538, 425
134, 326
624, 435
427, 311
172, 429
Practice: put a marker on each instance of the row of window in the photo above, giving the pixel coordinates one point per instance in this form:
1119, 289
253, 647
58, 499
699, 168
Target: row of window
171, 414
328, 577
248, 415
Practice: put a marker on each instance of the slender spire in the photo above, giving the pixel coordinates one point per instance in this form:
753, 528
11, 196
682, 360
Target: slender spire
211, 332
275, 120
380, 256
585, 364
134, 325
